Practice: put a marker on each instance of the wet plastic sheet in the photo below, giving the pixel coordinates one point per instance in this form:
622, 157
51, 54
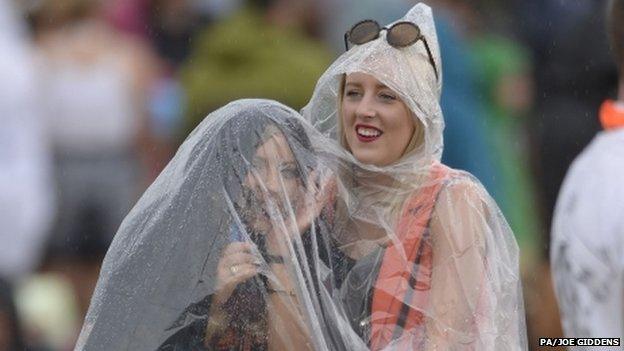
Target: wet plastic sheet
265, 233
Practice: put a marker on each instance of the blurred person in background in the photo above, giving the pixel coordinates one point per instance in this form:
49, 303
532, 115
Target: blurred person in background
573, 72
465, 134
505, 82
26, 198
168, 27
505, 85
128, 16
261, 50
172, 26
588, 225
11, 338
504, 89
95, 84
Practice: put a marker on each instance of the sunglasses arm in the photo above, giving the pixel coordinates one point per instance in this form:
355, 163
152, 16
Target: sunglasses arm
435, 70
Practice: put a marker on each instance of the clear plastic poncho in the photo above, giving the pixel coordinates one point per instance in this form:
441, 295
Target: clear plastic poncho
230, 248
264, 233
445, 254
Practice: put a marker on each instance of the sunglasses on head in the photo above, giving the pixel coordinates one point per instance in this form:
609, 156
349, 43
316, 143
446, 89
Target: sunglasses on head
399, 35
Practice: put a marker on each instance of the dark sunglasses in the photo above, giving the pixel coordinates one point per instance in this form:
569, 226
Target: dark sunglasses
399, 35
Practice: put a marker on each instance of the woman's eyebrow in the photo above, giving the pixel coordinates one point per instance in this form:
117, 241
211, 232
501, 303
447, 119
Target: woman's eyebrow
356, 85
262, 160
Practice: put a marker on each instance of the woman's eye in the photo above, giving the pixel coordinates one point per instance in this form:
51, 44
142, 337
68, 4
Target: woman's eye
259, 168
352, 93
290, 172
259, 172
386, 96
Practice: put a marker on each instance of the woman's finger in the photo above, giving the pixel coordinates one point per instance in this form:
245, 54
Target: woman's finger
239, 258
238, 246
230, 277
313, 182
315, 200
327, 185
239, 273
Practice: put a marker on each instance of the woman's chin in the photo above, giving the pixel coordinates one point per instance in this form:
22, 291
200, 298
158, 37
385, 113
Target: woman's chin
369, 159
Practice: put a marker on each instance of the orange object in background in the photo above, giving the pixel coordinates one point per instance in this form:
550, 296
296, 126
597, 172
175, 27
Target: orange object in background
612, 114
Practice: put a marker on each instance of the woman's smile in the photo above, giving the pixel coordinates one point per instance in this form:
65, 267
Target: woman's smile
367, 133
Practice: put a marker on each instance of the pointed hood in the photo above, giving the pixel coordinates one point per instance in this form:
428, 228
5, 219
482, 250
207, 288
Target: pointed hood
407, 71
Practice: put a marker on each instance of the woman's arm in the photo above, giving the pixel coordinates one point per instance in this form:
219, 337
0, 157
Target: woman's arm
475, 299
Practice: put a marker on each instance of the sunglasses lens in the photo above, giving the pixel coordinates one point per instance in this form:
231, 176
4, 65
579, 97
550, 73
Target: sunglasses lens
364, 32
403, 34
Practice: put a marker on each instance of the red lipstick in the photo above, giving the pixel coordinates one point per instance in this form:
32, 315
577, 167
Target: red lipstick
367, 137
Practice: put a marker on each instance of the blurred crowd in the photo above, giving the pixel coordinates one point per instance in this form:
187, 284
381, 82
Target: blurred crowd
95, 96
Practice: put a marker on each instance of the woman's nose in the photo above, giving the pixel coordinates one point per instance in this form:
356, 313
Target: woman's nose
273, 181
263, 179
365, 108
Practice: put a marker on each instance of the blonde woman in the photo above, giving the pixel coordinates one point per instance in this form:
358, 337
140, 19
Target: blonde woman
437, 264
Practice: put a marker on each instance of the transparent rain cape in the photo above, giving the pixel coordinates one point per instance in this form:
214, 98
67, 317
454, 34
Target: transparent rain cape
441, 260
247, 175
264, 233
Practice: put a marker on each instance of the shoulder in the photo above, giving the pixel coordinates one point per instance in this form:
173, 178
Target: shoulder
594, 177
603, 157
460, 187
590, 198
463, 211
449, 189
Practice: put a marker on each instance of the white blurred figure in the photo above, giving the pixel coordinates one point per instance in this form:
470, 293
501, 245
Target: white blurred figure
587, 251
26, 198
95, 89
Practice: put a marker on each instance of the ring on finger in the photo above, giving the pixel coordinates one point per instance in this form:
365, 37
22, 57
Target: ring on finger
234, 269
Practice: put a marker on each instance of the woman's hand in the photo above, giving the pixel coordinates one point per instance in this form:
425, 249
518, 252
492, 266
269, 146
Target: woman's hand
237, 264
317, 194
308, 207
